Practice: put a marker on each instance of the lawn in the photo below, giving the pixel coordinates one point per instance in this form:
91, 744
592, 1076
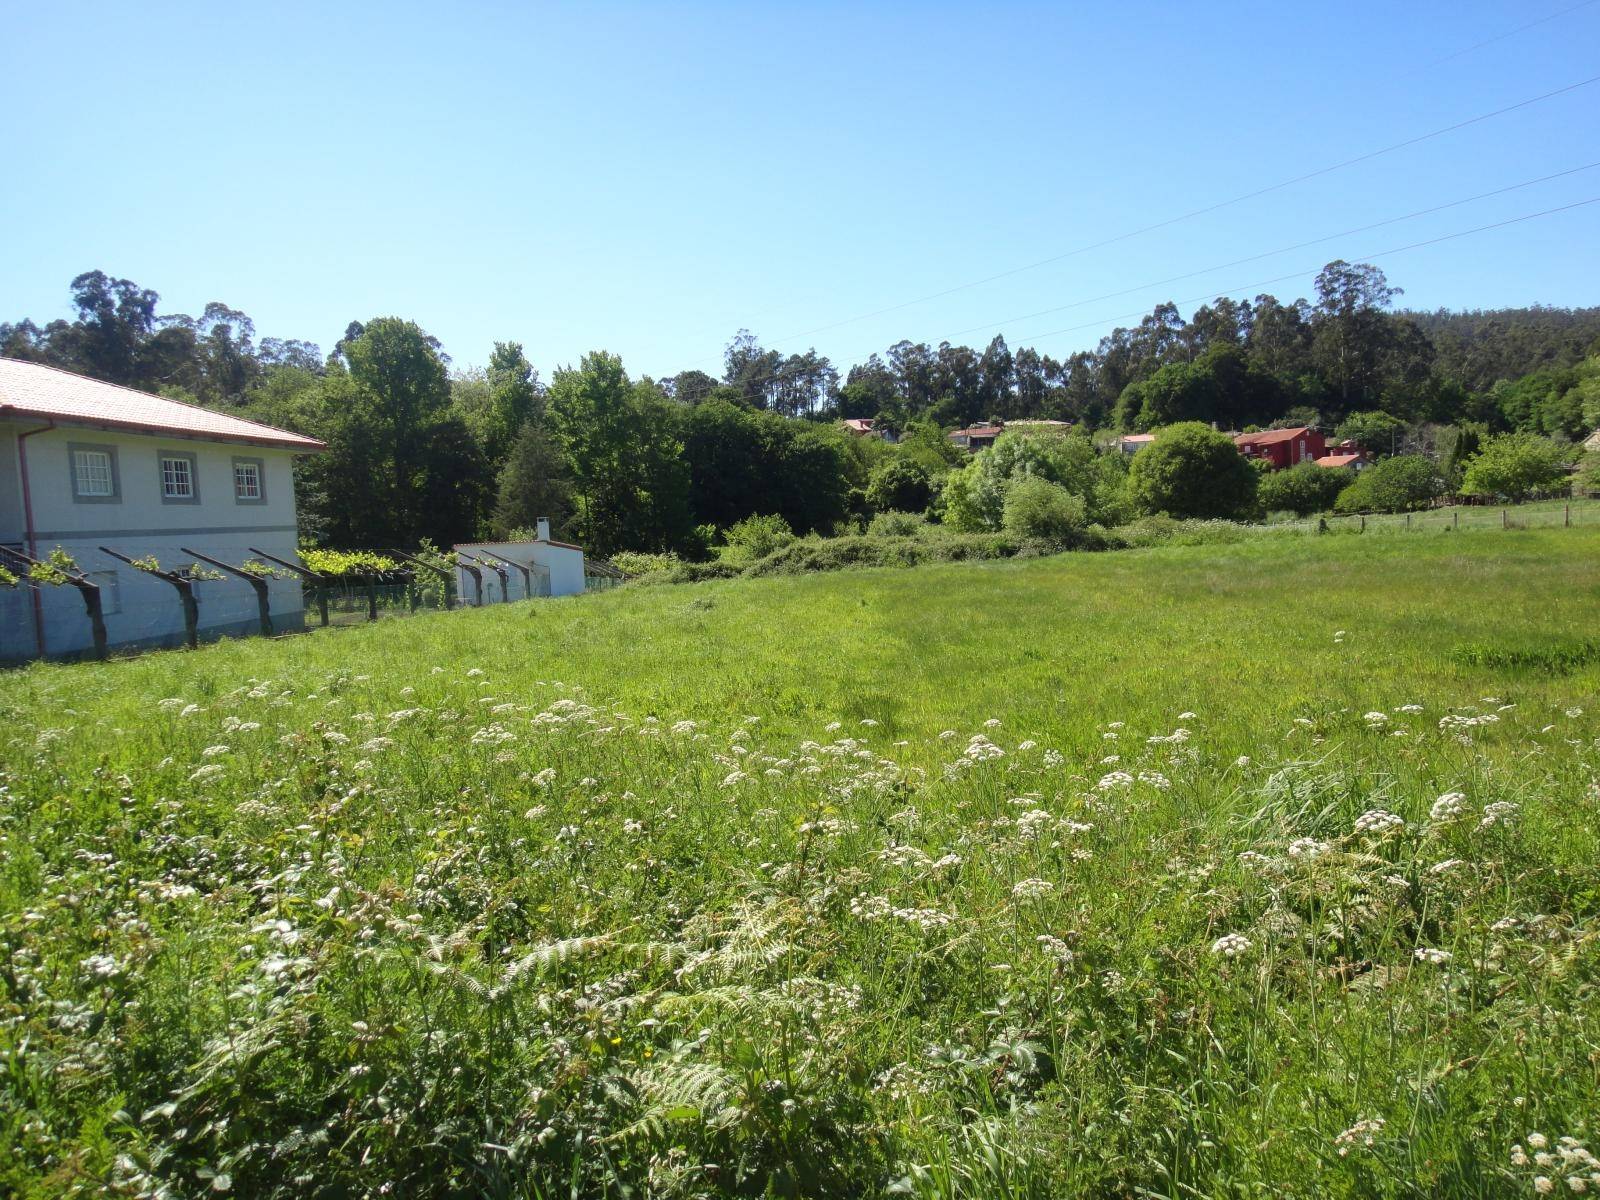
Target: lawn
1270, 867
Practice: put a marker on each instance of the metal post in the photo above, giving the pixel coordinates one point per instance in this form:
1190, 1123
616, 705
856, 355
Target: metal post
527, 573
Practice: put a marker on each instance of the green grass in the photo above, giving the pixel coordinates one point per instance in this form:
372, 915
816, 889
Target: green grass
459, 905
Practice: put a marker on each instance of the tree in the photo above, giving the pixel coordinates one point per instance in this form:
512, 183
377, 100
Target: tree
1399, 484
900, 485
630, 483
1191, 470
1515, 465
1374, 430
974, 499
1037, 508
514, 399
533, 483
1303, 489
1352, 335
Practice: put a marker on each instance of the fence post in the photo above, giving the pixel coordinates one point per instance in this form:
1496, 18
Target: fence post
1455, 519
1566, 519
88, 590
447, 578
1505, 519
263, 606
186, 596
1363, 522
320, 582
372, 598
477, 579
1408, 520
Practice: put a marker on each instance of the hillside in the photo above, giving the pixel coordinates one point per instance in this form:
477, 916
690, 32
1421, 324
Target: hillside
1267, 867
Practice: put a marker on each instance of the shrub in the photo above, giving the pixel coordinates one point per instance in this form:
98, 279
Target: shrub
1191, 470
898, 524
1515, 465
1303, 489
1399, 484
1037, 508
974, 499
756, 537
900, 485
1376, 430
639, 565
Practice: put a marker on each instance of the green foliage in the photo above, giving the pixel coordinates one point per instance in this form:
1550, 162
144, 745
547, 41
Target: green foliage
1401, 484
346, 563
7, 578
1302, 489
745, 919
1377, 432
742, 462
755, 537
974, 499
1037, 508
893, 523
1191, 470
900, 485
1587, 478
533, 483
1514, 466
54, 569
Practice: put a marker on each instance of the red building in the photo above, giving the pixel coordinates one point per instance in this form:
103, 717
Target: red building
1283, 447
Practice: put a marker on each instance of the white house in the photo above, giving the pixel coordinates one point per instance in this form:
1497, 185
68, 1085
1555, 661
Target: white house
85, 465
538, 568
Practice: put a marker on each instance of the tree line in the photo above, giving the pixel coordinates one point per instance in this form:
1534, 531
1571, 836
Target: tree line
419, 449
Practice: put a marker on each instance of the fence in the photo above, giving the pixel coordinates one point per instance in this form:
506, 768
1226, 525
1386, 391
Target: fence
58, 609
1538, 515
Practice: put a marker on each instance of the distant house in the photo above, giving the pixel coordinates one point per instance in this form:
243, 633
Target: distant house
1281, 448
1130, 444
1334, 462
85, 464
867, 427
519, 570
1591, 444
976, 437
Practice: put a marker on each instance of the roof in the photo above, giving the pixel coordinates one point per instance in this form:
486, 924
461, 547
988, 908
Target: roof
979, 431
1137, 437
1271, 437
1038, 423
1592, 442
858, 424
50, 394
1339, 460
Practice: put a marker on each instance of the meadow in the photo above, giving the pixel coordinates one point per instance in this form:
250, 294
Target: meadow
1258, 868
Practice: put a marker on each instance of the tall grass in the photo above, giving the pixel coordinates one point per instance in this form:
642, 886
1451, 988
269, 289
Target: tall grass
1190, 871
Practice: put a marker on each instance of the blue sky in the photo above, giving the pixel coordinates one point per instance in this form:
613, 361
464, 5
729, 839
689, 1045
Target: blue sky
649, 178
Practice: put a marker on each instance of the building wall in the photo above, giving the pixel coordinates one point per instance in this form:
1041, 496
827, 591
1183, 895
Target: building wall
142, 610
557, 571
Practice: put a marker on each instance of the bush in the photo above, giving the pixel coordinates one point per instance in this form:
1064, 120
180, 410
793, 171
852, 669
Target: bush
1514, 466
1191, 470
900, 485
898, 524
834, 554
1303, 489
1399, 484
638, 565
756, 537
973, 499
1037, 508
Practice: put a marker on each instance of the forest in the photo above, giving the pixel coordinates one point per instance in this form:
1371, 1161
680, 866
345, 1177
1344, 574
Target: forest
419, 448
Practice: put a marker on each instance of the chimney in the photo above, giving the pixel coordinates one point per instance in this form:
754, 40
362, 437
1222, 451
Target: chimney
544, 529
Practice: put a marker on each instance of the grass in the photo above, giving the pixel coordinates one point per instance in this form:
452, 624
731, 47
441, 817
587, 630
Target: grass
1267, 867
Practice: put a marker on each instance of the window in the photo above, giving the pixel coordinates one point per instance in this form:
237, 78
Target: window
178, 482
94, 473
248, 485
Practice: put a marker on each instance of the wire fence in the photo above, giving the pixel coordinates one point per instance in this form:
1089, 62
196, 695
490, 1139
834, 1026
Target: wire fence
1536, 515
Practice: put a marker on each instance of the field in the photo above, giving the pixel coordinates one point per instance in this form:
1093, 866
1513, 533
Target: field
1265, 868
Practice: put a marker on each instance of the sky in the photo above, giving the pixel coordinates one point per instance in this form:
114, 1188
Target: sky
649, 178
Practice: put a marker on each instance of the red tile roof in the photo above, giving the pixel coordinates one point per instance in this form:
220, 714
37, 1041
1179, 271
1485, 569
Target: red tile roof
858, 424
1271, 437
980, 431
48, 394
1339, 460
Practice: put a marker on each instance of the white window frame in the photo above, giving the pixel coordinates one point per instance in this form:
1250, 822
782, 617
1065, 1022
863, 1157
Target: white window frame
79, 496
259, 467
191, 469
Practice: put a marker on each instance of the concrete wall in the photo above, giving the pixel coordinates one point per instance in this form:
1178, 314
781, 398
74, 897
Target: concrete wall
557, 571
141, 610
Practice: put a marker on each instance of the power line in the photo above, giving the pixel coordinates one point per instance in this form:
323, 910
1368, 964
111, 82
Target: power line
1198, 212
1421, 212
1245, 287
1500, 37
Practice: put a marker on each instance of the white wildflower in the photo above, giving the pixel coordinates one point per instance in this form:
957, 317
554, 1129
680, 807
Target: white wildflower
1032, 889
1231, 945
1378, 821
1449, 806
1434, 957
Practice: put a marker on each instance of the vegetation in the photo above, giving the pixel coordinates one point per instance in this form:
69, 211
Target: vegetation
1191, 470
1302, 489
1400, 484
419, 449
525, 903
1514, 466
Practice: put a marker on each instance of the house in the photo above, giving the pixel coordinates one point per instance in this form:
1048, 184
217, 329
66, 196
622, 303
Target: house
1281, 448
1591, 444
85, 465
1334, 462
977, 437
868, 427
1130, 444
519, 570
